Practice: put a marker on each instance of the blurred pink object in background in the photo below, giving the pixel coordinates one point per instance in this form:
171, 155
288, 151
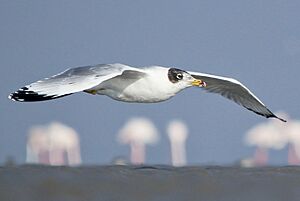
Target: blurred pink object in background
55, 144
177, 133
138, 132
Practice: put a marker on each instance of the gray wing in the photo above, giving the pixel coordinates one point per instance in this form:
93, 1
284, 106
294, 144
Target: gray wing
235, 91
70, 81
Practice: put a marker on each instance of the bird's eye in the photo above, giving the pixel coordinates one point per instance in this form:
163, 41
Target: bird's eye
179, 76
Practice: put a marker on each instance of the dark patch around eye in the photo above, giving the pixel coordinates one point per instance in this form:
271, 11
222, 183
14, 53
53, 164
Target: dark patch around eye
175, 74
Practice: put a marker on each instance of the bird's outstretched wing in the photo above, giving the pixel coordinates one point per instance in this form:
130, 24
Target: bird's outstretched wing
235, 91
70, 81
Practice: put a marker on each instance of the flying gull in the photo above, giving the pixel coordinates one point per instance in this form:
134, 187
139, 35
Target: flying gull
141, 85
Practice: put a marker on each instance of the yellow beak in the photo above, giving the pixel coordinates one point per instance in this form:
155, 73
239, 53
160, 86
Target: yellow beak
199, 83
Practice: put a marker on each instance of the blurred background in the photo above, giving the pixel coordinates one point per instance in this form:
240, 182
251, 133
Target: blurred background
257, 42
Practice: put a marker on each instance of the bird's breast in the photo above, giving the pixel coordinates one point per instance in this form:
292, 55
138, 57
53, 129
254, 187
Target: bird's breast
146, 92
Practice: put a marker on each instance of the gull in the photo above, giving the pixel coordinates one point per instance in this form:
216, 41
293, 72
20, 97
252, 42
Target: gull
141, 85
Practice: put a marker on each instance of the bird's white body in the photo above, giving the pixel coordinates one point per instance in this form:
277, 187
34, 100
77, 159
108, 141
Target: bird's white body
150, 89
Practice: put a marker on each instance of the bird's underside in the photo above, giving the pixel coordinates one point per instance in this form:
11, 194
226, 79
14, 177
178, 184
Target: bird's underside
130, 84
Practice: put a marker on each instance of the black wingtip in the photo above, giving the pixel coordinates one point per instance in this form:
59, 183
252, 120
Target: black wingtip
274, 116
269, 115
28, 96
24, 95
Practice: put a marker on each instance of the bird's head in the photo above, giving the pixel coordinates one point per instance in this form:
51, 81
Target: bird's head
183, 78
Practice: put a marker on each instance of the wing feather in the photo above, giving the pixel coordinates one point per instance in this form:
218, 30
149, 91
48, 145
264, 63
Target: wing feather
68, 82
234, 90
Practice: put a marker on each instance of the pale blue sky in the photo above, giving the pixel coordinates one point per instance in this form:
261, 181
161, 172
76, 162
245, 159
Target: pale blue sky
257, 42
